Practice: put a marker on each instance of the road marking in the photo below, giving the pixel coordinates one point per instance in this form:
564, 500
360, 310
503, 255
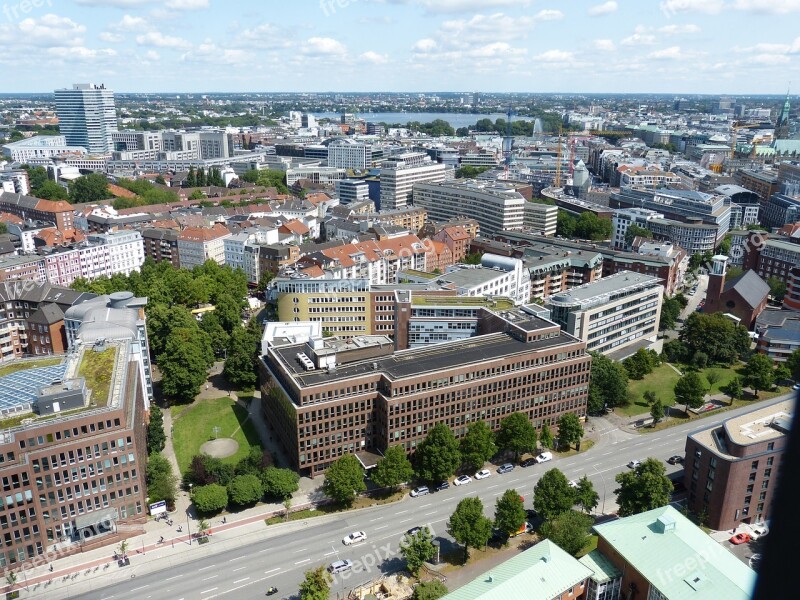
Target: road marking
407, 520
239, 569
264, 550
400, 512
381, 527
234, 559
208, 567
141, 587
513, 480
207, 591
373, 520
305, 560
271, 571
301, 550
207, 578
426, 505
491, 487
430, 513
329, 553
240, 580
173, 577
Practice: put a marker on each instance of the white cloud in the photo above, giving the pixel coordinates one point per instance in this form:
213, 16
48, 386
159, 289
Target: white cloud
768, 59
481, 29
210, 53
679, 29
709, 7
81, 53
606, 8
548, 15
639, 38
51, 30
113, 38
773, 7
604, 45
671, 53
555, 56
425, 45
462, 6
323, 46
186, 4
128, 23
156, 38
152, 55
374, 57
173, 4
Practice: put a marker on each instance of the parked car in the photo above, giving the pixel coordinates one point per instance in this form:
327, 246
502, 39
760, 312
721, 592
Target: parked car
573, 484
354, 538
758, 531
462, 480
340, 566
740, 538
528, 462
796, 386
506, 468
544, 457
675, 460
482, 474
420, 491
445, 485
633, 464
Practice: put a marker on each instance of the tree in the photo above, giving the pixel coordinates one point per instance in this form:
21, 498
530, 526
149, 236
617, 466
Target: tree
552, 494
644, 488
240, 366
650, 396
793, 364
700, 359
429, 590
316, 585
478, 446
782, 373
344, 480
546, 436
716, 335
585, 495
516, 434
565, 224
733, 389
417, 549
469, 526
670, 311
608, 385
641, 363
569, 531
690, 391
777, 288
676, 351
197, 195
161, 481
155, 431
160, 180
255, 462
635, 231
657, 411
184, 363
210, 498
509, 513
50, 190
393, 469
202, 528
437, 456
89, 188
279, 483
245, 490
37, 177
570, 430
759, 373
713, 377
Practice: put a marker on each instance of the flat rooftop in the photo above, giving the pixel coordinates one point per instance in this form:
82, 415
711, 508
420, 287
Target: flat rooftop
465, 301
470, 277
603, 289
418, 361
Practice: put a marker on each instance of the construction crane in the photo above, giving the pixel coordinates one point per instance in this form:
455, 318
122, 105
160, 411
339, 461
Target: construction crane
557, 180
508, 142
571, 143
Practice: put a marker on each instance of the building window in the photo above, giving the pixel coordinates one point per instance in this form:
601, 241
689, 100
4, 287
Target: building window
754, 466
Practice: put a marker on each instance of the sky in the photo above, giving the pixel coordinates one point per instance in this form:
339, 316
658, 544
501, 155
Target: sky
538, 46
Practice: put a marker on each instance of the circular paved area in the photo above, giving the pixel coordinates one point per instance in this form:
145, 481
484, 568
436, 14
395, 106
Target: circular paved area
220, 448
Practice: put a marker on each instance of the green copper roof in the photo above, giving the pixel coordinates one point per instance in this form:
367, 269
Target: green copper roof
604, 569
677, 557
542, 572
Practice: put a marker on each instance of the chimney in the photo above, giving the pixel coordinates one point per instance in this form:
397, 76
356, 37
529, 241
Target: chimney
716, 283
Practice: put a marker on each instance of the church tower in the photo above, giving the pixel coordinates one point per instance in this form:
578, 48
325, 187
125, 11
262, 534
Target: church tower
782, 124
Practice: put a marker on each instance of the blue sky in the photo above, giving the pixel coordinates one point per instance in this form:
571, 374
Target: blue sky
667, 46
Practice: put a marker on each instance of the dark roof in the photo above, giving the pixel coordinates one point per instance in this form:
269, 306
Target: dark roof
47, 314
750, 287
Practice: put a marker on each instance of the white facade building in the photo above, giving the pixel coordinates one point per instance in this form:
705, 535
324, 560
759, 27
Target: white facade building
87, 116
624, 218
39, 147
125, 249
196, 245
400, 172
541, 217
349, 154
352, 190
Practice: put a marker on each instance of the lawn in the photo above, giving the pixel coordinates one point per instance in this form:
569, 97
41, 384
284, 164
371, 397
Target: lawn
196, 424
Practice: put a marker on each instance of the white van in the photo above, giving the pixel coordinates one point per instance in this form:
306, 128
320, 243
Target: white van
544, 457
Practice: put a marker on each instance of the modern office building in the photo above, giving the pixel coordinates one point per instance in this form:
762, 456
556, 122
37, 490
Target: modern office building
762, 183
791, 299
352, 190
75, 468
778, 333
732, 469
400, 172
624, 218
39, 147
333, 396
779, 210
496, 206
347, 153
611, 313
541, 218
87, 116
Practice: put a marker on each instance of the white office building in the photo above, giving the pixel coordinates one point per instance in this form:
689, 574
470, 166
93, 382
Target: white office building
39, 147
87, 116
400, 172
624, 218
541, 218
352, 190
494, 205
346, 153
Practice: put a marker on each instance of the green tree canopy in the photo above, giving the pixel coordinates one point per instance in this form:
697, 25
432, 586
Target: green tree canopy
657, 411
759, 372
437, 456
478, 446
777, 288
429, 590
315, 585
569, 531
184, 363
255, 462
546, 436
244, 490
609, 383
715, 335
393, 468
641, 363
509, 513
516, 434
279, 483
635, 231
733, 389
344, 480
417, 549
644, 488
89, 188
469, 526
552, 494
690, 390
585, 495
161, 480
156, 438
793, 364
210, 498
240, 365
570, 430
50, 190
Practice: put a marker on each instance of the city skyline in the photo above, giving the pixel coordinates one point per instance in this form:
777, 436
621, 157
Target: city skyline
195, 46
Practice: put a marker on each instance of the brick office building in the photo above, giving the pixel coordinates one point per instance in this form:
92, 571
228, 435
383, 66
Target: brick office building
732, 469
335, 396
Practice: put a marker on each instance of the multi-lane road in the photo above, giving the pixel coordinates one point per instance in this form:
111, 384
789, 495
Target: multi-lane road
245, 569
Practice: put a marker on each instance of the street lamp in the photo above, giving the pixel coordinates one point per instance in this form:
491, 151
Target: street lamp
603, 479
188, 524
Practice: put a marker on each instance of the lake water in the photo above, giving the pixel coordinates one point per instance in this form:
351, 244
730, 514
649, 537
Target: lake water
456, 120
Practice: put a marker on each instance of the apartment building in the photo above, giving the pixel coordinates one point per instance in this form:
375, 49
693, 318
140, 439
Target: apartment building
196, 245
762, 183
78, 478
778, 333
242, 250
87, 116
57, 212
399, 174
732, 469
624, 218
779, 210
611, 313
456, 238
792, 298
357, 395
125, 249
646, 177
410, 218
161, 244
276, 258
496, 206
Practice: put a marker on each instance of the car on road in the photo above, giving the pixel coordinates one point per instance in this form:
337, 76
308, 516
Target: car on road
796, 386
740, 538
340, 566
675, 460
544, 457
483, 474
506, 468
462, 480
573, 484
758, 531
354, 538
528, 462
445, 485
414, 531
634, 463
420, 491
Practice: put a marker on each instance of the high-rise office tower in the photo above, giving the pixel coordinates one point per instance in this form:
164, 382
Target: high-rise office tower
87, 116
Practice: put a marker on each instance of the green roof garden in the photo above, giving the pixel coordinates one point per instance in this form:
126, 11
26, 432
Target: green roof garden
98, 368
499, 303
423, 274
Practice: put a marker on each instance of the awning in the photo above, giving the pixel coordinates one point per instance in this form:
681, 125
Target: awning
108, 515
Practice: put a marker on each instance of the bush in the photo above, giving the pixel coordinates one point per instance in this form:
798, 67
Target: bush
245, 489
205, 470
210, 498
